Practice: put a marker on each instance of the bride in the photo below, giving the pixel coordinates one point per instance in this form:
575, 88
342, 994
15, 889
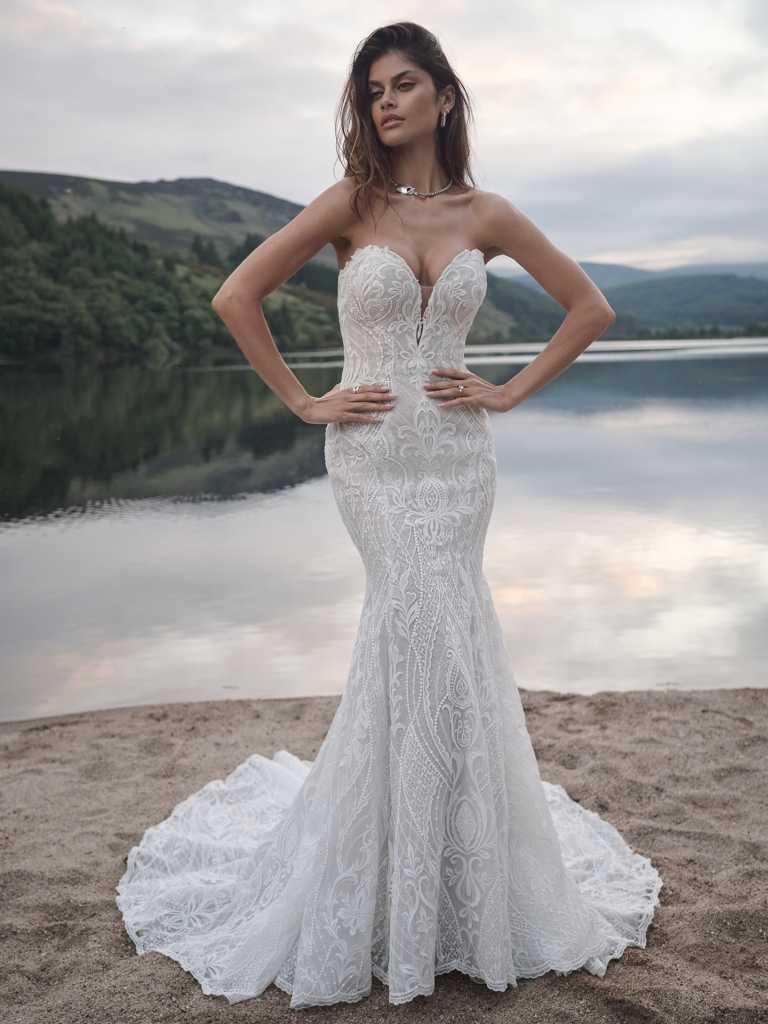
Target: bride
421, 839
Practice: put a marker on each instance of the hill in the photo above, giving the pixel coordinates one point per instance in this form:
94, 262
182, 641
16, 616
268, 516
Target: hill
607, 275
113, 272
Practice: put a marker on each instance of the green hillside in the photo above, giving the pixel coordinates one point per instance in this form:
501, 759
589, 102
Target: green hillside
167, 214
116, 273
727, 301
177, 216
79, 289
82, 291
608, 275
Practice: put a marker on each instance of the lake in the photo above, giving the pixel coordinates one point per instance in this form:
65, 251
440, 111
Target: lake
172, 536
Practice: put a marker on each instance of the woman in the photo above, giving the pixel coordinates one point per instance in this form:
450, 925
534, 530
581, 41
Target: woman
421, 839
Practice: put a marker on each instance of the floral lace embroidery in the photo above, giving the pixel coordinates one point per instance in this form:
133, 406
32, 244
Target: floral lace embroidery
421, 839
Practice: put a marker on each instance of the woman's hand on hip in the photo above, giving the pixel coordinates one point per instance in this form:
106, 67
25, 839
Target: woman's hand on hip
453, 387
345, 405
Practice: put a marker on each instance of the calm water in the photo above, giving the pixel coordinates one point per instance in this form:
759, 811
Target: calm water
173, 536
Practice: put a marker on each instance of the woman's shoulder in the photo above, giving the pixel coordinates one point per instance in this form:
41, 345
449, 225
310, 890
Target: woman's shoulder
491, 208
484, 201
496, 221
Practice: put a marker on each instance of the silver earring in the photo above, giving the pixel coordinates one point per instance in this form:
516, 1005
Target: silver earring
442, 119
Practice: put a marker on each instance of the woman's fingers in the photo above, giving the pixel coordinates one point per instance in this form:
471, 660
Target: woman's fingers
370, 389
451, 371
377, 398
372, 406
454, 376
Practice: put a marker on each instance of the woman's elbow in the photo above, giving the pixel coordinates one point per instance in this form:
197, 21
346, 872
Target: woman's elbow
223, 296
227, 298
602, 312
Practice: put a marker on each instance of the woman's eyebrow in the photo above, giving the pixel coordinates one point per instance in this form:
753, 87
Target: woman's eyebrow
408, 71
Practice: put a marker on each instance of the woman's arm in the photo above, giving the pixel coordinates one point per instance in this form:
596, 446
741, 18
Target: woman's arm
508, 231
239, 299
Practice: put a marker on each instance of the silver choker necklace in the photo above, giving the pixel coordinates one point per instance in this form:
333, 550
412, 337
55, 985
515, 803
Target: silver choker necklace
411, 190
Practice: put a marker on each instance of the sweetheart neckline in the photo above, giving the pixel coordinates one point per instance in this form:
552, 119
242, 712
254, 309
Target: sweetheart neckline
409, 268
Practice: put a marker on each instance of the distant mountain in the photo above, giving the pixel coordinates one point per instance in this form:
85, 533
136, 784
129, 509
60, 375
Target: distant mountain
725, 301
168, 214
607, 275
759, 270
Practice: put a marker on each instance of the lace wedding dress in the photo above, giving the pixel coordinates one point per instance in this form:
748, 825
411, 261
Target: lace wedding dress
421, 839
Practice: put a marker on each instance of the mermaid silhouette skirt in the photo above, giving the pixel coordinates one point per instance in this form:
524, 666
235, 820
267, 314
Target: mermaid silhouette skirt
421, 839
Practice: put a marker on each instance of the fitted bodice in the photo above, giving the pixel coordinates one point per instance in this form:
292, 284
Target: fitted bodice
386, 336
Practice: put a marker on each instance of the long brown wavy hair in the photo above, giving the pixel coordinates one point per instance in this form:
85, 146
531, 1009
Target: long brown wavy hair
363, 155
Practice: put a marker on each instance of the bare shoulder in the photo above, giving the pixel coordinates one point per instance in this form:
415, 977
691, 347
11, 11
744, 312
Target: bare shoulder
495, 219
341, 191
340, 194
486, 203
504, 230
333, 206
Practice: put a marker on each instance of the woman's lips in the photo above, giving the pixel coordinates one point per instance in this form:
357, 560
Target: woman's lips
394, 121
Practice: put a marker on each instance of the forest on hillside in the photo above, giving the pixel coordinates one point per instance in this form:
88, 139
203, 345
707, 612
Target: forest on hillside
79, 291
86, 292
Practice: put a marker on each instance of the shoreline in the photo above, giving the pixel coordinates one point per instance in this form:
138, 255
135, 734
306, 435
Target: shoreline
682, 774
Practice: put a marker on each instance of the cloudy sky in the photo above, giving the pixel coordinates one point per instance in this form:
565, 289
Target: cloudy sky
634, 132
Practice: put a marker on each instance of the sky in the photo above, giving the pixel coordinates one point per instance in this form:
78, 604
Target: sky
631, 132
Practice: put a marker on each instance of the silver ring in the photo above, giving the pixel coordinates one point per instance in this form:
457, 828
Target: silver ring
356, 387
460, 387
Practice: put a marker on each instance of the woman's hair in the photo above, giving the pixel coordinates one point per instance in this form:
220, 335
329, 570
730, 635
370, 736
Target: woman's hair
358, 146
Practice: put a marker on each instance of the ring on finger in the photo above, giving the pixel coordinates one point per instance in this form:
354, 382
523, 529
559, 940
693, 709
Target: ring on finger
459, 387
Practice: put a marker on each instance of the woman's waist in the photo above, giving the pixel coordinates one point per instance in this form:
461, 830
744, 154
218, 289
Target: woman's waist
416, 416
410, 377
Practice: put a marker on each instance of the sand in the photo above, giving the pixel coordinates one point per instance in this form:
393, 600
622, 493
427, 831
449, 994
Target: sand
683, 775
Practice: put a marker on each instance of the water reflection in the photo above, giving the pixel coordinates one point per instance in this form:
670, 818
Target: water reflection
628, 547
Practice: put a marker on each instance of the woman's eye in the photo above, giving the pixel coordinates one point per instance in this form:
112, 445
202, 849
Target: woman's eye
403, 85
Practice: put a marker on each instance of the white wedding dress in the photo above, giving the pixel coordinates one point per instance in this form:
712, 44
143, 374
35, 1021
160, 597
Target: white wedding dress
422, 838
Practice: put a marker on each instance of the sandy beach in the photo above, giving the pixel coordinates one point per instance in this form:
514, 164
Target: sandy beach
683, 775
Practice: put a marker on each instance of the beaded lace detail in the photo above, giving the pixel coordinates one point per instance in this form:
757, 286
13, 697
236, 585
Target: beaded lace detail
421, 839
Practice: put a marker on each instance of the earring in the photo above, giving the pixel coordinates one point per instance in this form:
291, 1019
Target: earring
442, 119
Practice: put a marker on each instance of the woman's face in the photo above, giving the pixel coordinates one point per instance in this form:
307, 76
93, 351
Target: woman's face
396, 86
